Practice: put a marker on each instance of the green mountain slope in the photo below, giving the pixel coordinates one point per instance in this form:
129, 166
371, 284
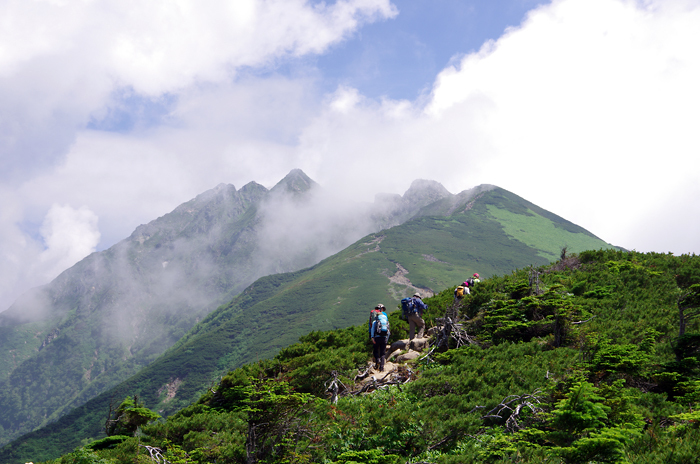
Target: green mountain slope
429, 253
579, 361
575, 362
116, 311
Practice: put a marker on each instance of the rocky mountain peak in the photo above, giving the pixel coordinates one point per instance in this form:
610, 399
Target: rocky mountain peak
296, 182
424, 192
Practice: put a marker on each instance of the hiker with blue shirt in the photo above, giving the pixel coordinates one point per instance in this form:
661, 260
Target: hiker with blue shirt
415, 318
379, 334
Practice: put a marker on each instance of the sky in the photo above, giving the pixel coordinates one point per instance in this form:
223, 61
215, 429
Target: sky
113, 112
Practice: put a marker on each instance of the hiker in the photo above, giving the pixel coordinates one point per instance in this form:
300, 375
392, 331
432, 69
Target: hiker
460, 291
415, 318
372, 316
379, 334
469, 284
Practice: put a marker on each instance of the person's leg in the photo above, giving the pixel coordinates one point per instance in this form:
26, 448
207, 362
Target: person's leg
421, 326
382, 352
411, 326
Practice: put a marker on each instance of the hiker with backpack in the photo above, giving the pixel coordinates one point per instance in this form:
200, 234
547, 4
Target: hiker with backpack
468, 285
475, 279
460, 291
379, 334
413, 311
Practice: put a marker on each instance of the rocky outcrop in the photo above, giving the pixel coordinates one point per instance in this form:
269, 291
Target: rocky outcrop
400, 348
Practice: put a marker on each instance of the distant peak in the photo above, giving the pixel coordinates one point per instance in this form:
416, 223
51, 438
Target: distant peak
425, 191
219, 190
295, 182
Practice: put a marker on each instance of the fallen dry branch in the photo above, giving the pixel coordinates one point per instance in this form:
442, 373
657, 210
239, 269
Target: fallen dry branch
398, 376
511, 407
362, 374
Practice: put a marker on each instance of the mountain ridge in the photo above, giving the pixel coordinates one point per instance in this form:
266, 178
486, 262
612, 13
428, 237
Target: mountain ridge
427, 252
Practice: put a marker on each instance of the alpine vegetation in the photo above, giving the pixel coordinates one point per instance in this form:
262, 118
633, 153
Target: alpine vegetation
590, 359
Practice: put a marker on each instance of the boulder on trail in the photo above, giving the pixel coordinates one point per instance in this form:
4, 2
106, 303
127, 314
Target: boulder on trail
419, 344
409, 356
396, 347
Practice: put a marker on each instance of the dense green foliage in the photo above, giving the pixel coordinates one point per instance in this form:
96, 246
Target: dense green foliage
580, 361
128, 417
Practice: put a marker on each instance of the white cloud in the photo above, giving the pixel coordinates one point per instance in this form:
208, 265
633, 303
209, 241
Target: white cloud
231, 134
61, 62
162, 46
588, 109
69, 235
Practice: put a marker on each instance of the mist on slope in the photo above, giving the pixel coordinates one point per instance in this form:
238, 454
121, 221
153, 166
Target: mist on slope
143, 293
119, 309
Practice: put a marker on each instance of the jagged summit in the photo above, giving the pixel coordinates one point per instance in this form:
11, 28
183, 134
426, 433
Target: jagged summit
295, 182
423, 192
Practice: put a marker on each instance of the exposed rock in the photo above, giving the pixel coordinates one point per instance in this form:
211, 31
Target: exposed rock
296, 182
419, 344
397, 346
424, 192
409, 356
49, 338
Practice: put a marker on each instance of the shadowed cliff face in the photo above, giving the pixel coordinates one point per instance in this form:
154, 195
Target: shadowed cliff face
117, 310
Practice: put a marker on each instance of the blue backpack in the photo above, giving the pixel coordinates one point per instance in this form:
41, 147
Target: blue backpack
382, 324
408, 307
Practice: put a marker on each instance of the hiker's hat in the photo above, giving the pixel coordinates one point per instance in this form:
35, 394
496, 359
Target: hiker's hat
417, 294
476, 274
379, 306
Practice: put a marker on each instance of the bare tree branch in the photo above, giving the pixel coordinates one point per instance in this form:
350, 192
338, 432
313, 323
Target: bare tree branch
156, 454
333, 386
511, 407
583, 322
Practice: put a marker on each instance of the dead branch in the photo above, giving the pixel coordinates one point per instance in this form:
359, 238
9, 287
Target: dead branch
583, 322
511, 407
398, 377
534, 281
333, 386
362, 374
427, 355
156, 454
452, 329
